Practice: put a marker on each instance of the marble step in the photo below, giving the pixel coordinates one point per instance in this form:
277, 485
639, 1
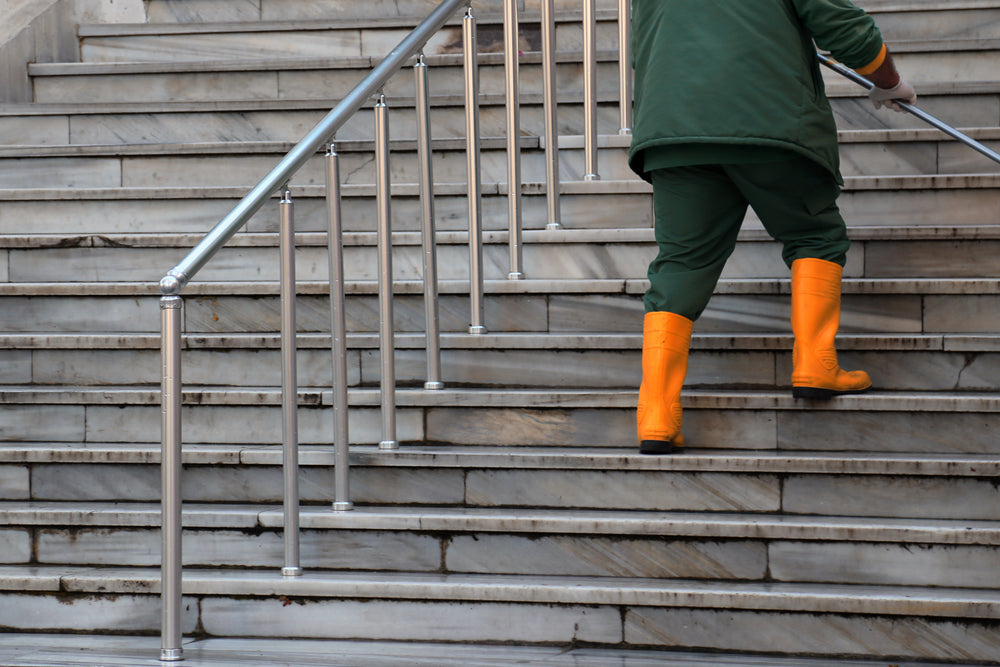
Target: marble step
929, 422
897, 363
909, 622
863, 153
902, 201
877, 253
293, 78
540, 542
964, 105
318, 37
873, 306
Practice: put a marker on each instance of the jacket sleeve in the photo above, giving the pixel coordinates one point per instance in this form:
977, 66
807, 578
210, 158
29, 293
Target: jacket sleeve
843, 29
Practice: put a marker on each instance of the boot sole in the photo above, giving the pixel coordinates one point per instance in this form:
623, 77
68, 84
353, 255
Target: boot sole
819, 394
658, 447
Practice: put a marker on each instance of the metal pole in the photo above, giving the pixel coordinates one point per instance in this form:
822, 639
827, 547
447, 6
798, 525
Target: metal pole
472, 146
510, 33
911, 109
289, 387
386, 344
171, 313
338, 334
590, 89
431, 313
551, 115
624, 67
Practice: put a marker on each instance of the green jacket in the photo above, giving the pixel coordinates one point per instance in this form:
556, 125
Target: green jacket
730, 77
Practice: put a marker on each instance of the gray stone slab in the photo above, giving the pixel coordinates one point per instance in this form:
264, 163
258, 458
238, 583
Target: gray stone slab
15, 545
622, 490
47, 130
605, 557
862, 563
187, 86
61, 173
907, 637
42, 423
932, 497
15, 366
139, 48
82, 313
973, 314
208, 11
911, 431
411, 620
87, 613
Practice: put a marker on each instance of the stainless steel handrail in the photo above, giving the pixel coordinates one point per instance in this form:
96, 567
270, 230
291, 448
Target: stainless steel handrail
171, 314
911, 109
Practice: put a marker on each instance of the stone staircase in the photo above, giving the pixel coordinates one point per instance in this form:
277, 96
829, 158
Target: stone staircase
518, 509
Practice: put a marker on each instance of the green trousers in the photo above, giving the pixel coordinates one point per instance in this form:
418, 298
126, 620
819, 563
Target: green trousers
698, 211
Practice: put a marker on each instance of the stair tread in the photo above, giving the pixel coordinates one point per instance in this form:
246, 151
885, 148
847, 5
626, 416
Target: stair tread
500, 520
835, 598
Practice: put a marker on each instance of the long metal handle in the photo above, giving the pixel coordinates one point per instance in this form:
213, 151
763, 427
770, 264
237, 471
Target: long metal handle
911, 109
386, 341
171, 569
289, 388
510, 32
624, 67
590, 89
183, 272
432, 333
471, 70
551, 116
338, 334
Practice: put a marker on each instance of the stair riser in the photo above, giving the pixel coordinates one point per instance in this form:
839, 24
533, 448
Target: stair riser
609, 260
301, 84
894, 159
967, 498
324, 43
555, 555
899, 314
674, 627
568, 369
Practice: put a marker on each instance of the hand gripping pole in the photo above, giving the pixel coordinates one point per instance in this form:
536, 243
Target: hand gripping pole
909, 108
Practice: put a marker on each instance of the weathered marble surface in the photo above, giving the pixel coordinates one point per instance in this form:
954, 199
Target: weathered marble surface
15, 545
85, 613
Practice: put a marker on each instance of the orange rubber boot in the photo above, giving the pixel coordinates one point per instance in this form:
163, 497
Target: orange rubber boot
815, 320
666, 338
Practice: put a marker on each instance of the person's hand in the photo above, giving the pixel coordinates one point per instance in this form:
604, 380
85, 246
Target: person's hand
902, 91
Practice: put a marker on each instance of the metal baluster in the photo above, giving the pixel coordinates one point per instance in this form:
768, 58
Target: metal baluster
624, 67
471, 69
289, 387
386, 343
590, 89
510, 33
424, 150
551, 115
338, 334
171, 568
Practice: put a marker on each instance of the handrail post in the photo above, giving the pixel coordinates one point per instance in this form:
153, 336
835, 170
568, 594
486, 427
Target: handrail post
289, 387
624, 67
386, 342
432, 333
510, 32
551, 104
171, 572
338, 334
590, 90
471, 69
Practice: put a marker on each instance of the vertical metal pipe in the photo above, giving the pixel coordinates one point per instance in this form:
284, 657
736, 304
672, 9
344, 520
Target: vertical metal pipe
510, 33
551, 115
590, 89
431, 318
171, 313
472, 147
338, 334
289, 387
386, 343
624, 67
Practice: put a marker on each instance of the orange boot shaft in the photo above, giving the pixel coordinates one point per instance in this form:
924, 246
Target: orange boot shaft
815, 320
666, 339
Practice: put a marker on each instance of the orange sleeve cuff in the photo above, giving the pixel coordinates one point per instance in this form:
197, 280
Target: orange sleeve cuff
875, 64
